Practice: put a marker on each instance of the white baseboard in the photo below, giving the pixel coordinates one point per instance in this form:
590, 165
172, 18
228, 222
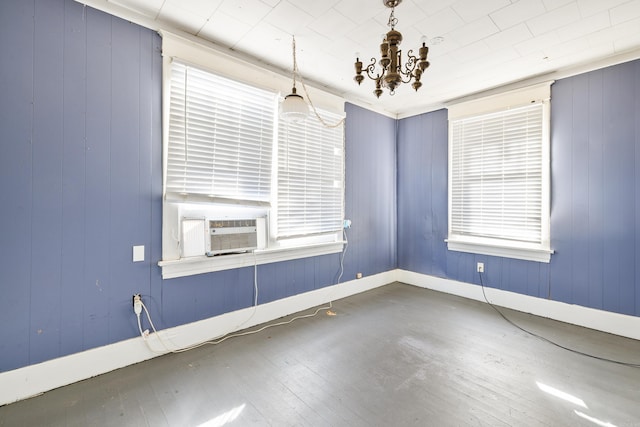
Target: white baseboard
606, 321
36, 379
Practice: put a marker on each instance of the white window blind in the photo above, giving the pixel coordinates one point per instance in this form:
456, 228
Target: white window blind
497, 177
310, 194
220, 137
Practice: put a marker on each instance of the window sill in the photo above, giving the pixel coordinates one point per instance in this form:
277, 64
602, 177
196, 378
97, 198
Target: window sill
199, 265
523, 253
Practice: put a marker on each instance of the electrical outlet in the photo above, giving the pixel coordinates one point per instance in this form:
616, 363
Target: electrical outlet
137, 304
480, 267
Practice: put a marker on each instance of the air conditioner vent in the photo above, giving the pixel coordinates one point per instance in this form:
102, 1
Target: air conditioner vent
232, 236
206, 236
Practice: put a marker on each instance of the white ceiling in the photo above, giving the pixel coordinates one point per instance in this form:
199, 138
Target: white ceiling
487, 43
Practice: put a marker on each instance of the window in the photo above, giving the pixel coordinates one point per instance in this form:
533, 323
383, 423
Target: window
220, 137
499, 176
310, 177
228, 156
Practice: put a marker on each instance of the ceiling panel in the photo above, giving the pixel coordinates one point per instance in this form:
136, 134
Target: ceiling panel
225, 29
441, 23
485, 43
625, 12
333, 25
517, 13
509, 38
557, 18
470, 10
472, 32
289, 18
246, 11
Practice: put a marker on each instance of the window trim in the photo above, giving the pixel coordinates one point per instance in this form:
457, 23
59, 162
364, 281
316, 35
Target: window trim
539, 252
198, 265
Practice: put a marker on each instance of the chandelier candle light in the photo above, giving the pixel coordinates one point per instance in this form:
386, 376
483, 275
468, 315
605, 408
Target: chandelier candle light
393, 72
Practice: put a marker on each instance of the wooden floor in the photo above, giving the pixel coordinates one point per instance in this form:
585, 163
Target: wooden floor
395, 356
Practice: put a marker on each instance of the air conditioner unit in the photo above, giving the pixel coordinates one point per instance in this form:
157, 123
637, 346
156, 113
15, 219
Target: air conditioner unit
231, 235
222, 236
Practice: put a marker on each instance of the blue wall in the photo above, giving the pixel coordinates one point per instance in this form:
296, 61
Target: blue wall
81, 183
595, 208
370, 192
80, 116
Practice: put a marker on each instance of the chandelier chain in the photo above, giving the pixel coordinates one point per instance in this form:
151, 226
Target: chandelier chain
393, 21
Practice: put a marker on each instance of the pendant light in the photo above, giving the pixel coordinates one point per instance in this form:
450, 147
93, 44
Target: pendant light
294, 108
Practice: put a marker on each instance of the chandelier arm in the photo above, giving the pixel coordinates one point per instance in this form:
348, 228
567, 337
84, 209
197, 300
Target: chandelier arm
371, 70
408, 77
409, 67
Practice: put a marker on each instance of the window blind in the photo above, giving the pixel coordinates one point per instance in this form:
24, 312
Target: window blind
220, 137
497, 175
310, 194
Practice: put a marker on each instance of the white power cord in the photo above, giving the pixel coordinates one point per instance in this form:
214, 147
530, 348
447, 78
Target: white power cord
145, 334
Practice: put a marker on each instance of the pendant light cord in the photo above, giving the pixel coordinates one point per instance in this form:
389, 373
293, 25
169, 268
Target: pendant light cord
295, 62
306, 92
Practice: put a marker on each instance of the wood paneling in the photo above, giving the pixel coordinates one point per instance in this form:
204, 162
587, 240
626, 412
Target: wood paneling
16, 151
97, 208
422, 206
74, 224
595, 215
82, 184
80, 121
46, 195
370, 192
81, 167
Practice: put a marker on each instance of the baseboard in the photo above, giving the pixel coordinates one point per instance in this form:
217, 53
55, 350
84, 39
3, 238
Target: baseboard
36, 379
614, 323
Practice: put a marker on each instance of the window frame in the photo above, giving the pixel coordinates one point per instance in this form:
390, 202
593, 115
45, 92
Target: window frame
531, 251
209, 58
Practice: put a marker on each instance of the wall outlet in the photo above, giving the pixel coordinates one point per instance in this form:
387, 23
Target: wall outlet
480, 267
358, 275
137, 304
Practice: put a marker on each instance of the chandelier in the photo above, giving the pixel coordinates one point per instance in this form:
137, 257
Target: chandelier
392, 71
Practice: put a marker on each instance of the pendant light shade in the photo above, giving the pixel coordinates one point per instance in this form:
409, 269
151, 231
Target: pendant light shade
293, 107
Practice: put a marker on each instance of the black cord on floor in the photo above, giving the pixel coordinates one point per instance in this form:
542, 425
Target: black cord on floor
632, 365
